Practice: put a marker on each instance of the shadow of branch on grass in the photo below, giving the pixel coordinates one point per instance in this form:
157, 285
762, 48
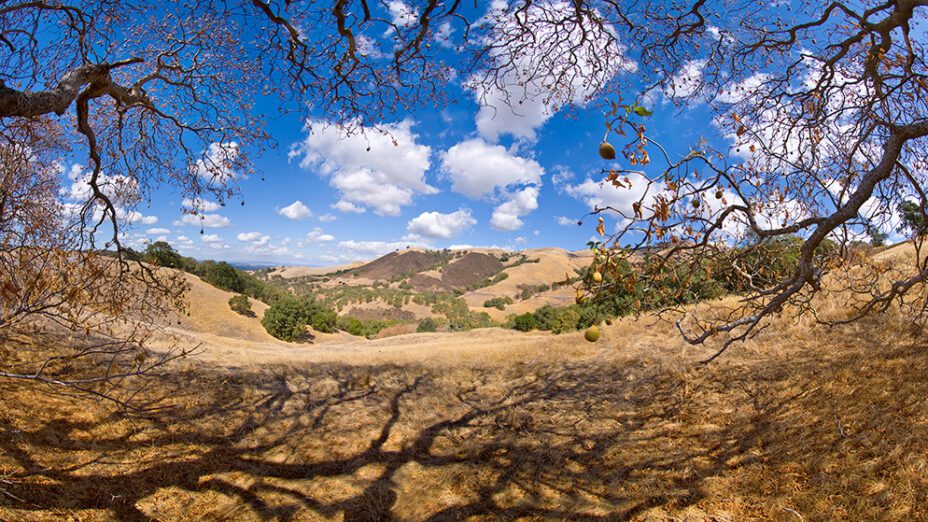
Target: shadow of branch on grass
571, 441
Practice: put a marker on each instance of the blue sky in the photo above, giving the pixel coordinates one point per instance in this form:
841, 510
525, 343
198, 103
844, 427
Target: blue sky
465, 174
295, 204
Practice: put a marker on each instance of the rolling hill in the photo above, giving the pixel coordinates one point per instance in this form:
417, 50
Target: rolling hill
802, 422
384, 287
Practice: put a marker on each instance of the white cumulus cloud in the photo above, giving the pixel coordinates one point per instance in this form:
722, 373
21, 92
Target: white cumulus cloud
295, 210
366, 249
201, 205
436, 225
317, 235
381, 168
479, 169
133, 217
507, 216
207, 220
122, 191
255, 238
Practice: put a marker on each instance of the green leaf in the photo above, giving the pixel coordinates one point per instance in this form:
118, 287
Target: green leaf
641, 111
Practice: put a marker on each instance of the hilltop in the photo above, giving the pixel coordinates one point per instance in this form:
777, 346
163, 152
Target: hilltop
404, 286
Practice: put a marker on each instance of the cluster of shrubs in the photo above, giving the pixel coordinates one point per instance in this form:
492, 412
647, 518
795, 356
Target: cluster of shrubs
342, 296
530, 290
361, 327
656, 284
460, 316
558, 319
241, 305
431, 324
498, 302
490, 281
523, 259
288, 317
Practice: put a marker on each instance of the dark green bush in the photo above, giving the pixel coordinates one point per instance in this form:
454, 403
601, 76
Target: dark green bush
557, 319
323, 319
459, 315
241, 305
221, 275
497, 302
362, 328
163, 254
287, 318
589, 315
567, 320
525, 322
427, 325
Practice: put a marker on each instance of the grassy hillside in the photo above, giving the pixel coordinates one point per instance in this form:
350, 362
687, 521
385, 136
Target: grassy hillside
387, 287
812, 423
209, 312
801, 423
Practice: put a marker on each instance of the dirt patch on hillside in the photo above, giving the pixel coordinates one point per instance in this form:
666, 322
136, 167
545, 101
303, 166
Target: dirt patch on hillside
424, 283
471, 269
395, 264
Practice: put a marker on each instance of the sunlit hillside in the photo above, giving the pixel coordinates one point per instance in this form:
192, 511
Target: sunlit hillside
802, 422
386, 288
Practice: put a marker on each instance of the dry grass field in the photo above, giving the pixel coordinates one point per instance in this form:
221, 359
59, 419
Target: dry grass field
801, 423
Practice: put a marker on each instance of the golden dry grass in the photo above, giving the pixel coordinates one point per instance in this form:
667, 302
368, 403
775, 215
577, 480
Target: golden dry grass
288, 272
208, 312
553, 265
801, 423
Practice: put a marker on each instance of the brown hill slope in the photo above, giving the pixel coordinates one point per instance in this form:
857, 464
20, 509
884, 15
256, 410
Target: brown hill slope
553, 265
398, 263
449, 272
209, 313
471, 269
